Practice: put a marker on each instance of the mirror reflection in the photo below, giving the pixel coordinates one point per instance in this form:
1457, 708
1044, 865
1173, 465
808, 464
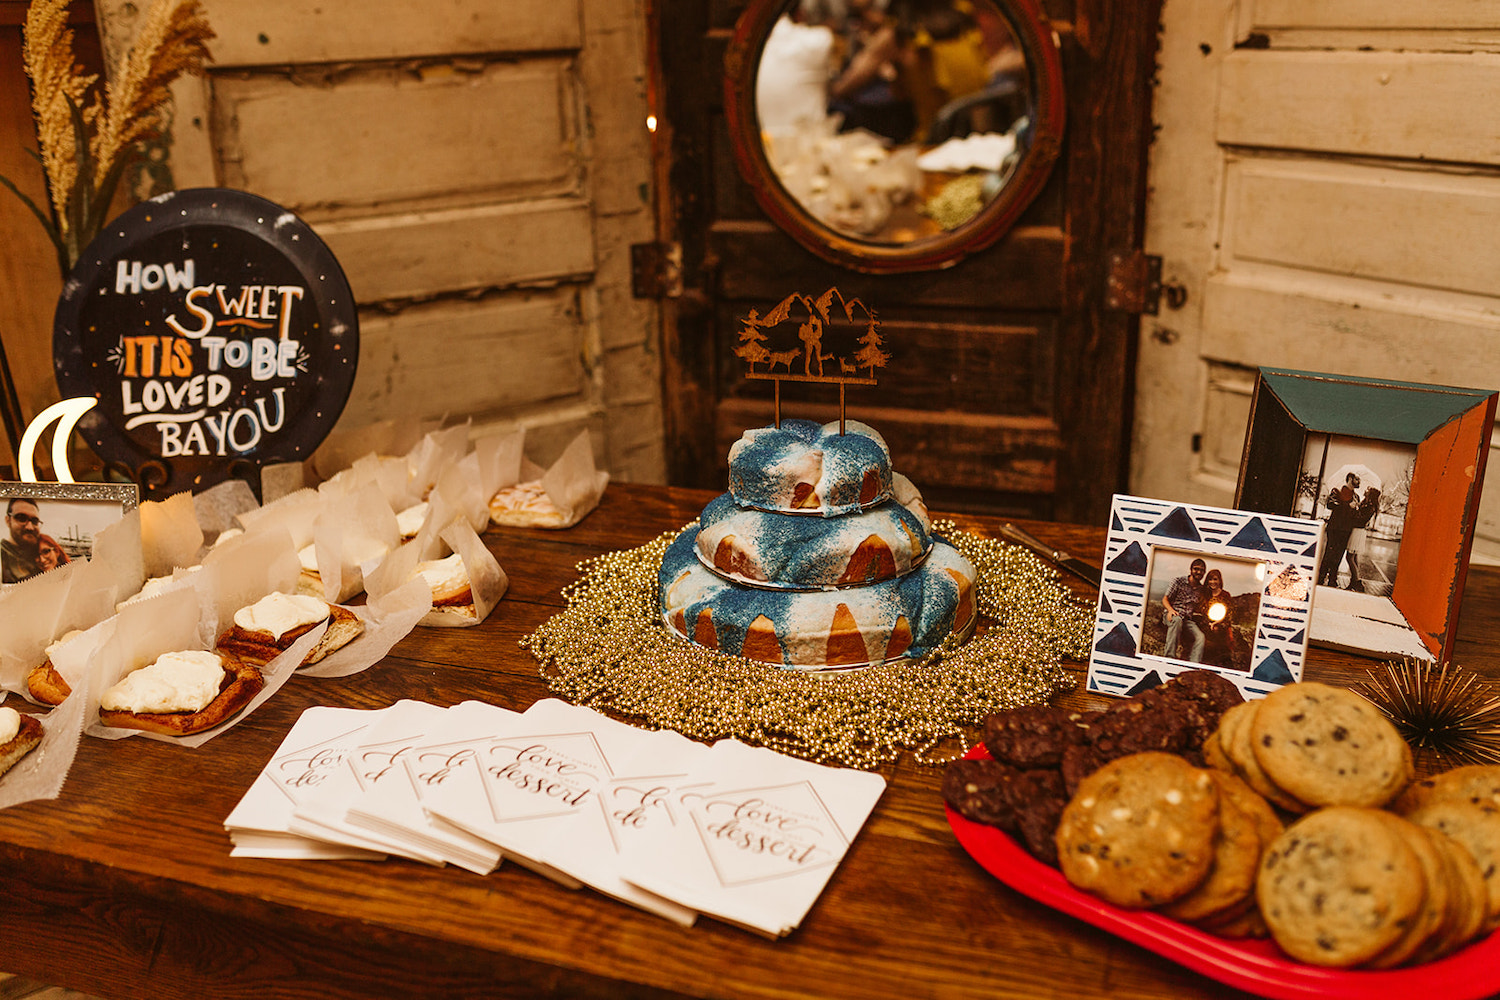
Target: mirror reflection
891, 121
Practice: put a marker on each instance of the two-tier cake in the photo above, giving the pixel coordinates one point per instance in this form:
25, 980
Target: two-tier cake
819, 556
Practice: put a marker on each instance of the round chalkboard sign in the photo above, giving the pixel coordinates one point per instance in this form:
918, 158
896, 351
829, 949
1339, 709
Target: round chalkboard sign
216, 332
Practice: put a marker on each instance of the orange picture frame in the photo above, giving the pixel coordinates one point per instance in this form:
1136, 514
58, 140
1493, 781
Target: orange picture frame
1448, 428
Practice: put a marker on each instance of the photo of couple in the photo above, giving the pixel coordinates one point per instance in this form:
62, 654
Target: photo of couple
44, 530
1202, 610
25, 550
1359, 489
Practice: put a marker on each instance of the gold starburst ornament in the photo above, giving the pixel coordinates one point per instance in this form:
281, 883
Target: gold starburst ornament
1444, 709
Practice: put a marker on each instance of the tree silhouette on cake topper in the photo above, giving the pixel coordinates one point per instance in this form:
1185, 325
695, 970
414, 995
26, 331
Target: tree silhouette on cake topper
799, 336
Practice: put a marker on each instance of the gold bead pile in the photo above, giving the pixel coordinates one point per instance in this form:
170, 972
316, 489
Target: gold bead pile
609, 650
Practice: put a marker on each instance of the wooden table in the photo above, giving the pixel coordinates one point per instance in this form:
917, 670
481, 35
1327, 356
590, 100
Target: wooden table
124, 886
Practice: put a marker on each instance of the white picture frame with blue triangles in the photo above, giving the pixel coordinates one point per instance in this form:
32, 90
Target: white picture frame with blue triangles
1162, 555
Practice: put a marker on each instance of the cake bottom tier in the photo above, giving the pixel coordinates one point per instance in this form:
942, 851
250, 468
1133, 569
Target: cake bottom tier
908, 616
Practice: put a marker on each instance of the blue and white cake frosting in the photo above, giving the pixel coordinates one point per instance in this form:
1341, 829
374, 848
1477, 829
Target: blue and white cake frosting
905, 616
803, 467
792, 552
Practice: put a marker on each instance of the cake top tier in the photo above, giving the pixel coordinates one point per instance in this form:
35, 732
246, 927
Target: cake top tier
803, 467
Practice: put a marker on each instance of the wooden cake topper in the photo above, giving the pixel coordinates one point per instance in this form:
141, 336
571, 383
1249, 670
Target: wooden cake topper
812, 355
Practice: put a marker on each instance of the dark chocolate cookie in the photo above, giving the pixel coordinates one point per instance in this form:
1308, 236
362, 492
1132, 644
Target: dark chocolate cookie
1034, 735
993, 792
1151, 721
1036, 826
1078, 763
1214, 691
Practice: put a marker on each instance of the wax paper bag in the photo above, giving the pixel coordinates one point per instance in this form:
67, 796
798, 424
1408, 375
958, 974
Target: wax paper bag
43, 609
170, 535
558, 497
166, 623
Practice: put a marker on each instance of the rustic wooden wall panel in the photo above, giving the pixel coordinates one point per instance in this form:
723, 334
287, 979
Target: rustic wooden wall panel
619, 157
516, 352
446, 151
1369, 331
1379, 14
407, 256
758, 263
968, 367
1227, 414
1325, 191
1339, 218
29, 277
1065, 426
625, 322
1186, 194
614, 80
293, 31
1410, 106
506, 126
1487, 526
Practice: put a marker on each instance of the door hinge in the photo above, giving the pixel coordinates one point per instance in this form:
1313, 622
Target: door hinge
656, 270
1133, 282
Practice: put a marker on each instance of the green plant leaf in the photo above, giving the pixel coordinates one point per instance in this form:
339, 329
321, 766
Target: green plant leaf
103, 196
79, 200
41, 217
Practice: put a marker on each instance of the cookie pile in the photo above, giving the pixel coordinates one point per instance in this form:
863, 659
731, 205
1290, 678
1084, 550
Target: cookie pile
1463, 804
1040, 753
1176, 801
1347, 886
1309, 745
1152, 830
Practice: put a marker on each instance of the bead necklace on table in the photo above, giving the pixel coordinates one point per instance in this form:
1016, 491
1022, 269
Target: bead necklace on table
609, 650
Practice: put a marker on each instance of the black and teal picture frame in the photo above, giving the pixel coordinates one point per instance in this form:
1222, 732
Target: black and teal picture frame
1161, 555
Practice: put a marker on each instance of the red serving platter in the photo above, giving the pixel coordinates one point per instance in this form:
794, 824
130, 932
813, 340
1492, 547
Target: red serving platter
1257, 966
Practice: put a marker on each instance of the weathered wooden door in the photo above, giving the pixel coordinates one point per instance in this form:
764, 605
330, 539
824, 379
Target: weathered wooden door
1325, 190
480, 170
1009, 380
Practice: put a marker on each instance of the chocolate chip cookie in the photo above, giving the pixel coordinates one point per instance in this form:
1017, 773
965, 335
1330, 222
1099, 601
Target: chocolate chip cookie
1339, 887
1328, 746
1140, 830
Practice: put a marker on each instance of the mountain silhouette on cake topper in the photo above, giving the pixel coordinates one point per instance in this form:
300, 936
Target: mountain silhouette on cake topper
823, 339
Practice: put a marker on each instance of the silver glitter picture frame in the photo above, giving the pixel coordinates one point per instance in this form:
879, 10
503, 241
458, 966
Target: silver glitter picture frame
72, 513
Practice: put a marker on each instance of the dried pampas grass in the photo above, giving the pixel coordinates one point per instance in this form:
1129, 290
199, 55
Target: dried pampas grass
87, 139
171, 41
59, 89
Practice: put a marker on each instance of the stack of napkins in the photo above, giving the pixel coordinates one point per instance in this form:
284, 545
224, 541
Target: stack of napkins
653, 819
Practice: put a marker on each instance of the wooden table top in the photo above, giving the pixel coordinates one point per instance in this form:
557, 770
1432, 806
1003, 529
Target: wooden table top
124, 886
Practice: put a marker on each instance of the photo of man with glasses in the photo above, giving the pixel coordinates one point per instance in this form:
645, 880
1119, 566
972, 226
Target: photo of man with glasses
20, 556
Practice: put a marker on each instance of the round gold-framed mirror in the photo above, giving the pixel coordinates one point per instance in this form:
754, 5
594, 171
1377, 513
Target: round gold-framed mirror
894, 135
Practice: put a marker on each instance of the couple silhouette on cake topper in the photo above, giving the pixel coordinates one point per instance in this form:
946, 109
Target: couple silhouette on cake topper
768, 340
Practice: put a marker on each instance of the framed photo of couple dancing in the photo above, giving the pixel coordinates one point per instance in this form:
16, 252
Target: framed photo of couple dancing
1393, 471
48, 525
1353, 519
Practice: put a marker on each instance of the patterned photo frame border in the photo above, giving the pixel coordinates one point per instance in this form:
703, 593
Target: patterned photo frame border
1288, 547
